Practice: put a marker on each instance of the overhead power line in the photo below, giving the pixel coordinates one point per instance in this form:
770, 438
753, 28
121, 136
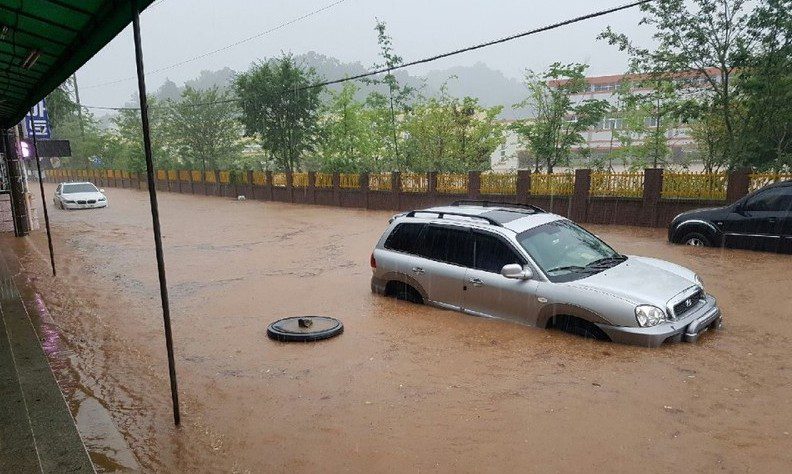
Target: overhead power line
224, 48
431, 58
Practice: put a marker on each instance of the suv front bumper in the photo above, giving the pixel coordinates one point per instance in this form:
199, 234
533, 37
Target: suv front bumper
688, 328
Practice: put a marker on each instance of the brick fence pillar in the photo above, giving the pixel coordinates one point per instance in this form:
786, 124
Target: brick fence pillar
290, 185
523, 186
580, 194
431, 186
337, 189
652, 192
396, 190
268, 186
474, 185
312, 187
249, 193
364, 188
738, 184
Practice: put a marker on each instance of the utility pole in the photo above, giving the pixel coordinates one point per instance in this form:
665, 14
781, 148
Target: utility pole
79, 105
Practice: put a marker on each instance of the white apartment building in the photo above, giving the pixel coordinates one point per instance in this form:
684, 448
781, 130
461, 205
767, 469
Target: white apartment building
512, 154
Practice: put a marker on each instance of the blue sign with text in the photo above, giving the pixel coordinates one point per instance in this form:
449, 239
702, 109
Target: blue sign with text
39, 120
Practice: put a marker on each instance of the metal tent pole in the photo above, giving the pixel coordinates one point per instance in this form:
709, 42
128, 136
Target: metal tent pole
155, 209
43, 199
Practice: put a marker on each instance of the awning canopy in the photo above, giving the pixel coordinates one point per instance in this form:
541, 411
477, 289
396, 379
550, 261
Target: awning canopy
43, 42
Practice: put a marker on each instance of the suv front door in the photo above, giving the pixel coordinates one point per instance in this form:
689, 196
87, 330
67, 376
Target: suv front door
487, 292
444, 253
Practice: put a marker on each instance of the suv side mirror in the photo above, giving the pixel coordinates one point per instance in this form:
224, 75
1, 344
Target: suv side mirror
516, 271
101, 190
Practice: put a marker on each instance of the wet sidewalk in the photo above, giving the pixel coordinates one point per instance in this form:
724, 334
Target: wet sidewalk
37, 432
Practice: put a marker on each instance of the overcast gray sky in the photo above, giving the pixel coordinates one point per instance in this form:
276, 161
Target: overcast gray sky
175, 30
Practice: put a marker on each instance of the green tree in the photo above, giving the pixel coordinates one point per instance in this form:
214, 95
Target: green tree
765, 82
348, 143
60, 106
706, 37
276, 110
128, 137
558, 121
449, 134
392, 108
202, 129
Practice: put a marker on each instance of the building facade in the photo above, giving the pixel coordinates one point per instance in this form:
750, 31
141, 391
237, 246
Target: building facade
601, 140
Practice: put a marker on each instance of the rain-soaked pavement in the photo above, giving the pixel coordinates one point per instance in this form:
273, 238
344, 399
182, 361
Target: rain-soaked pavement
406, 387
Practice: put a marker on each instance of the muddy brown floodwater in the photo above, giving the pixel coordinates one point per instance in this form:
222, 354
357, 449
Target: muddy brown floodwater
406, 387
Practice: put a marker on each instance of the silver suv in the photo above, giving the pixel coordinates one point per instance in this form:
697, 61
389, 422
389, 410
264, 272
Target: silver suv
521, 263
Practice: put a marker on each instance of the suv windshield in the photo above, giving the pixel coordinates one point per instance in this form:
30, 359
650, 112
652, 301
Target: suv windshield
79, 188
566, 252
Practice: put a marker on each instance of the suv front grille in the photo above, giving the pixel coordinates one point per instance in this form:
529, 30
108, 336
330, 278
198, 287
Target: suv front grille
688, 303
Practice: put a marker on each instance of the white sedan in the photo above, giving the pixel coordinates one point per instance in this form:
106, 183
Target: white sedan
79, 196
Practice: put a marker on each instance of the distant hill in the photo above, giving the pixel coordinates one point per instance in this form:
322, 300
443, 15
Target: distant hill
490, 86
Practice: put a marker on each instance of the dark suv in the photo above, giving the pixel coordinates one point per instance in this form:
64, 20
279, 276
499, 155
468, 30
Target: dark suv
761, 220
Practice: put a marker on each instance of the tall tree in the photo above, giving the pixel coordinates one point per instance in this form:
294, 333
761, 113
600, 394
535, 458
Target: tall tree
703, 36
129, 137
348, 143
558, 120
274, 109
202, 128
766, 85
450, 134
396, 104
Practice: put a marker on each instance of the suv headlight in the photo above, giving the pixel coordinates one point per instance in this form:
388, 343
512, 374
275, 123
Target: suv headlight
699, 281
648, 315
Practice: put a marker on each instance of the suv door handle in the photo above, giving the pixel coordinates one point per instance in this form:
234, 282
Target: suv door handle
418, 270
772, 220
476, 281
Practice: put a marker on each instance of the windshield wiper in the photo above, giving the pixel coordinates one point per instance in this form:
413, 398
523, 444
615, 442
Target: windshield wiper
569, 268
607, 261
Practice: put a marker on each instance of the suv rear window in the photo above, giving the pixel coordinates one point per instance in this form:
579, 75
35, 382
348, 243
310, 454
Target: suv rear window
447, 245
404, 237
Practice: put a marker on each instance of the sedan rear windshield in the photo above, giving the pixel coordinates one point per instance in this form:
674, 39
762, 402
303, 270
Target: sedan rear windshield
566, 252
79, 188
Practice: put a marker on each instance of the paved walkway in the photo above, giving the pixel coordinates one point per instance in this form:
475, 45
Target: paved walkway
37, 432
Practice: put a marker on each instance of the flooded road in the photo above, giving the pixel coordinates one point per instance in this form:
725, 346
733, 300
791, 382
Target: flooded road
406, 387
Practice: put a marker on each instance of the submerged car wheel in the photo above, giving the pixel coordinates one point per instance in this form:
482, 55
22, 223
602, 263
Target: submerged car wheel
696, 240
403, 291
578, 327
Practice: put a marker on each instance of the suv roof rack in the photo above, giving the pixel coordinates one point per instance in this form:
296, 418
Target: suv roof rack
483, 203
442, 214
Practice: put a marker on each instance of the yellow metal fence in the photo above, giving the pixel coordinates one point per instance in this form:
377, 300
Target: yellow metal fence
279, 180
498, 183
709, 186
552, 184
300, 180
324, 180
380, 182
676, 185
617, 185
414, 182
758, 180
452, 183
349, 180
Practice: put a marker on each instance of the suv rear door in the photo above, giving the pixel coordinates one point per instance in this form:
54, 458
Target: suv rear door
487, 292
445, 253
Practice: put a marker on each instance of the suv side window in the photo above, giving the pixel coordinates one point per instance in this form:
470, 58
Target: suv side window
492, 254
775, 199
454, 246
404, 237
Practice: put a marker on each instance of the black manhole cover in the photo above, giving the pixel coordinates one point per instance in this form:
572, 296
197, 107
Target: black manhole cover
304, 329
